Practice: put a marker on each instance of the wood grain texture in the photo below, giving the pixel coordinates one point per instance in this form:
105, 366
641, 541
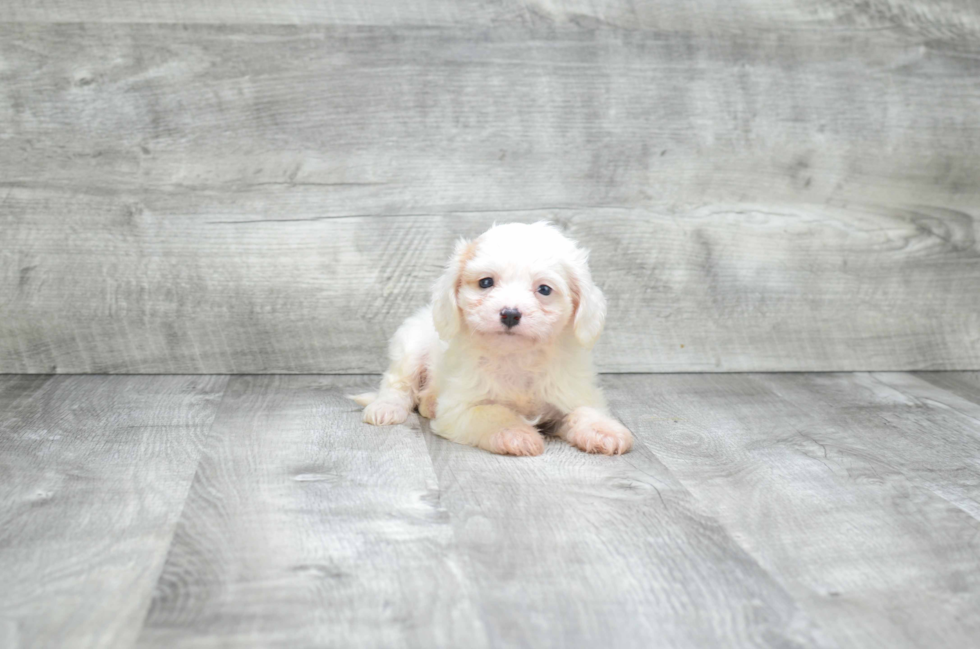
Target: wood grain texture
261, 198
941, 18
867, 539
93, 474
963, 384
573, 550
931, 434
305, 527
794, 510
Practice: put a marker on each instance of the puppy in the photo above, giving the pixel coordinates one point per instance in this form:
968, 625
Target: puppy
505, 349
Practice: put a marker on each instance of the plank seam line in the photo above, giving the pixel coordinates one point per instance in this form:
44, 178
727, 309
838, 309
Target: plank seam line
205, 441
519, 210
464, 567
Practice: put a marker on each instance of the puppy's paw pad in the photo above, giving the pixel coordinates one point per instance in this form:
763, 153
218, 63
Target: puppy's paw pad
604, 436
381, 413
517, 441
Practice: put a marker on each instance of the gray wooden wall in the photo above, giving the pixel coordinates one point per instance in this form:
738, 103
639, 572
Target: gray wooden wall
271, 186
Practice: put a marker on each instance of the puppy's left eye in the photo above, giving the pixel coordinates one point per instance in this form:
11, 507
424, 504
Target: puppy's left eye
486, 282
544, 289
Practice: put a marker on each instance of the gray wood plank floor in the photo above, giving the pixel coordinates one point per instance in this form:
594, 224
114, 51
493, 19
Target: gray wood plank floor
757, 510
94, 472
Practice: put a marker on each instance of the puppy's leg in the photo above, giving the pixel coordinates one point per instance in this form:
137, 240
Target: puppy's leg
394, 400
494, 428
427, 402
411, 349
595, 432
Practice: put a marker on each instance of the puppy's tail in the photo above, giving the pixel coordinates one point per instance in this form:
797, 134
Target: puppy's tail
363, 399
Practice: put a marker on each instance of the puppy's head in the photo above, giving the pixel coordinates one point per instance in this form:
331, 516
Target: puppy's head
519, 285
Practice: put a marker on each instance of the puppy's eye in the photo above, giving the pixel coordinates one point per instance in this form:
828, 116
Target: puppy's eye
544, 289
486, 282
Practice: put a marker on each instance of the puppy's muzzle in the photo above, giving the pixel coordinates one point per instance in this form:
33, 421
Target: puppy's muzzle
510, 317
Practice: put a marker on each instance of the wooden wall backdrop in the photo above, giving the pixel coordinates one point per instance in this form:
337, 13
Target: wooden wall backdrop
271, 186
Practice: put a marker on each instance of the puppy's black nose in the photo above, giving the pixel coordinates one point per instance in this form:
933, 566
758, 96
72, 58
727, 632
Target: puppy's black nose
510, 317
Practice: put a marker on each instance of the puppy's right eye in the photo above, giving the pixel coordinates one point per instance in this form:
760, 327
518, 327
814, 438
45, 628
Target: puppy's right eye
486, 282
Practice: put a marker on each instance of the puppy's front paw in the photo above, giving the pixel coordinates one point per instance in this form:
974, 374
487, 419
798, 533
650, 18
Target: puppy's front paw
594, 432
383, 413
518, 440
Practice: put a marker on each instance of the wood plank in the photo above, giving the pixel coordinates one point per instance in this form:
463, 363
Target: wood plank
800, 469
275, 198
402, 120
937, 17
574, 550
963, 384
290, 12
304, 527
931, 433
93, 473
704, 293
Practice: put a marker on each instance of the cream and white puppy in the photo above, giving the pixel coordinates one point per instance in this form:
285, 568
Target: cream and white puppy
505, 349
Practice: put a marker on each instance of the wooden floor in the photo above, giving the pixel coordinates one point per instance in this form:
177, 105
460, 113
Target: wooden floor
757, 510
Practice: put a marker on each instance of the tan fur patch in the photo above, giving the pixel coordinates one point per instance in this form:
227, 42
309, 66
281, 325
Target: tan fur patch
464, 258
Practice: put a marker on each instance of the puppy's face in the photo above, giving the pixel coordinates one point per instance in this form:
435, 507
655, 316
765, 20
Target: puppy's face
518, 285
514, 290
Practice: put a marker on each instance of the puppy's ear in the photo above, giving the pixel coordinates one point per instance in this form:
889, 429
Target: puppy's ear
590, 303
445, 308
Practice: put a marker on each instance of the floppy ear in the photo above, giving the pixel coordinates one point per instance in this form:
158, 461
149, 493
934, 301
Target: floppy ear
445, 309
590, 303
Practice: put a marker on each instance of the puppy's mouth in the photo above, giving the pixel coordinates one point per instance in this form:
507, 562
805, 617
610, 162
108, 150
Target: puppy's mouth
516, 335
504, 333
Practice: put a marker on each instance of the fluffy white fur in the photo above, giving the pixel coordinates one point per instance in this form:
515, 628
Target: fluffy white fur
491, 386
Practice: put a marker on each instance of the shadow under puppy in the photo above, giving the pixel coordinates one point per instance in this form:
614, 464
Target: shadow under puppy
505, 349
